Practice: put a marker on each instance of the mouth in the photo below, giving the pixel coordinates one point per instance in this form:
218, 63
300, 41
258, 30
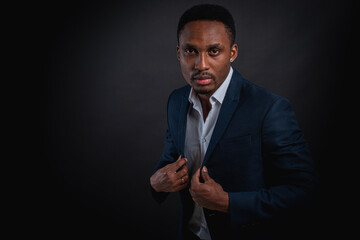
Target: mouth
203, 81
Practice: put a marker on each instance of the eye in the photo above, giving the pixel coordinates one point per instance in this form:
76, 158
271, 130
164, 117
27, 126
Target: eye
190, 51
214, 51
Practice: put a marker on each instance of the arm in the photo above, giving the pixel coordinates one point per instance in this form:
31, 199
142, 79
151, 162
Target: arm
169, 176
290, 174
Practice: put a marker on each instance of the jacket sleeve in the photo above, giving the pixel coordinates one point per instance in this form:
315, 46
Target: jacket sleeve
290, 176
169, 155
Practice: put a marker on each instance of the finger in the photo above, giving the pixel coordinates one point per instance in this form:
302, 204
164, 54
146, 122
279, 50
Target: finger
182, 172
181, 184
196, 177
179, 163
205, 174
176, 162
179, 158
184, 179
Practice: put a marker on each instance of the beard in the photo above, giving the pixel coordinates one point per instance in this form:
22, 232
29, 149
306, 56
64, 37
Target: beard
200, 89
203, 91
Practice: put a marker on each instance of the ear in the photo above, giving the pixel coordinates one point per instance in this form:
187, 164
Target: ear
234, 51
178, 52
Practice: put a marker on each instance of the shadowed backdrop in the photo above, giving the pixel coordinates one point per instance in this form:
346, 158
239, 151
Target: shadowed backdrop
108, 68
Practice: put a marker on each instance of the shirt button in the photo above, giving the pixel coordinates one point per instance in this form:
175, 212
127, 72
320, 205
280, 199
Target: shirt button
203, 140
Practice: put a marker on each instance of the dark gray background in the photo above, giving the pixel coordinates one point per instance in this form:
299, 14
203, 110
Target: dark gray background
107, 69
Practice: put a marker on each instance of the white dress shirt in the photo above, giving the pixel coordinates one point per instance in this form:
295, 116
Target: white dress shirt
198, 135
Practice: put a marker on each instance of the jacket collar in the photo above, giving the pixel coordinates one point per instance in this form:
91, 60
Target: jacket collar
227, 110
228, 107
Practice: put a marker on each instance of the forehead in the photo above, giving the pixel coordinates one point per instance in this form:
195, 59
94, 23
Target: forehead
204, 32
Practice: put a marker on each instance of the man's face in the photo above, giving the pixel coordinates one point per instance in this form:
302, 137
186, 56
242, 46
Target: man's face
204, 52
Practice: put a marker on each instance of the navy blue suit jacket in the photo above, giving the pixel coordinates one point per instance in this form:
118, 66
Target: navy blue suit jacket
257, 153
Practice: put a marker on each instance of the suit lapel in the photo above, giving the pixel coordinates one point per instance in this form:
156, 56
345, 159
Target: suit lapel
228, 107
183, 119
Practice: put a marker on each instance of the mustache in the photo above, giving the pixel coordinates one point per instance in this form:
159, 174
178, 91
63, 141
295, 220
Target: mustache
202, 75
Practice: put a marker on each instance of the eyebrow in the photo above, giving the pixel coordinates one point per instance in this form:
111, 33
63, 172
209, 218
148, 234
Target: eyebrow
215, 45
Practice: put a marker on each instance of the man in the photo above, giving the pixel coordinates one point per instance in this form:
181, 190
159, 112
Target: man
233, 150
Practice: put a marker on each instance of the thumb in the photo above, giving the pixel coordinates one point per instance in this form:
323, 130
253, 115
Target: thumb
196, 177
205, 174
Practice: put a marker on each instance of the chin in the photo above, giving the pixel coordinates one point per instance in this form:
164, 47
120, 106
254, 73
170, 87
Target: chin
202, 90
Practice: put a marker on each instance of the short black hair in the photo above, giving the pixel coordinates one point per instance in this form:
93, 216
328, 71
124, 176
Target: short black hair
208, 12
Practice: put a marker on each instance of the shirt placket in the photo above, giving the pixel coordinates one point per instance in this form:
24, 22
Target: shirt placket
206, 128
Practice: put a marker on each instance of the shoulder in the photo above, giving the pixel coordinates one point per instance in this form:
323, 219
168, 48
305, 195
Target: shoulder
254, 95
177, 95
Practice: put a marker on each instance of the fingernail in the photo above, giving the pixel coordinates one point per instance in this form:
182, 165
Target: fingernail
204, 169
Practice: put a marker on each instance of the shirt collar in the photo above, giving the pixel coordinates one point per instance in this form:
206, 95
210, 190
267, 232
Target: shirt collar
218, 95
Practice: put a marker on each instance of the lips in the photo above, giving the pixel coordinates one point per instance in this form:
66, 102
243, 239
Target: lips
204, 81
203, 78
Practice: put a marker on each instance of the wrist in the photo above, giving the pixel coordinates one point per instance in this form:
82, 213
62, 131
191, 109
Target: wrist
224, 206
153, 185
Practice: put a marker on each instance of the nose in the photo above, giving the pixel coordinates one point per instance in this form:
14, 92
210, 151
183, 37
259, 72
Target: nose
201, 63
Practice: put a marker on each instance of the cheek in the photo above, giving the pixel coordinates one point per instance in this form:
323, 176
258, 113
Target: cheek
186, 71
186, 63
186, 66
222, 62
221, 67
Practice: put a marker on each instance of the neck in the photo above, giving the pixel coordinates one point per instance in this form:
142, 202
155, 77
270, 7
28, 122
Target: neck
205, 104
